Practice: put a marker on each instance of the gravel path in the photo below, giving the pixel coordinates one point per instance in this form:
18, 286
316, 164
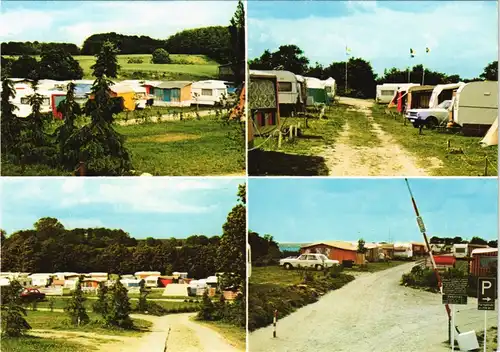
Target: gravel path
388, 159
184, 335
371, 314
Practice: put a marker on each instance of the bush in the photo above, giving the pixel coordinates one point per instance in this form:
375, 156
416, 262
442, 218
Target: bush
135, 60
421, 277
160, 56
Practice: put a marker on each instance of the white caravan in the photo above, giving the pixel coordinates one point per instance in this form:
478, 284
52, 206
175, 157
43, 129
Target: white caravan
460, 250
443, 92
210, 92
476, 105
385, 92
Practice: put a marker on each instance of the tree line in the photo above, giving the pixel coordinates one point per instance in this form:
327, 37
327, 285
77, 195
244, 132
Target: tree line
459, 240
361, 79
50, 247
223, 44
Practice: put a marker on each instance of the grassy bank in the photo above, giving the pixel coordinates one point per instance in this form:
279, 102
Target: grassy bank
234, 334
465, 157
38, 344
270, 291
374, 267
491, 339
60, 321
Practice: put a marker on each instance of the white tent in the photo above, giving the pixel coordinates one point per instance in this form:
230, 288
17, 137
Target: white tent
491, 137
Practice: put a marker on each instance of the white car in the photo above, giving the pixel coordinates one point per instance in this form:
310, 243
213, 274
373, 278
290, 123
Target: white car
309, 260
430, 117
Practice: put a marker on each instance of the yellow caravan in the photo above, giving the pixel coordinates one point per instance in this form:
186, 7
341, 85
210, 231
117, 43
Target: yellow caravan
127, 93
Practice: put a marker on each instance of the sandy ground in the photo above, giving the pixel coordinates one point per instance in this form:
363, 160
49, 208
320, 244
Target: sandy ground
371, 314
177, 331
388, 159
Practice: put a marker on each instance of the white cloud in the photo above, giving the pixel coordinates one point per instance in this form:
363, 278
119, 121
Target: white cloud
158, 19
458, 33
143, 194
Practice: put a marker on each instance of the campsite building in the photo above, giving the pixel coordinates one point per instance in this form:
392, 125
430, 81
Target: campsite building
335, 250
173, 93
484, 262
210, 92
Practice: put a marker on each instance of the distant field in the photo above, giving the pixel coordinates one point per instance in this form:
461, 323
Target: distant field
183, 67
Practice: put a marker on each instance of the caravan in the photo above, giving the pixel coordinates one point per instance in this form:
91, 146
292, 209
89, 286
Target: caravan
386, 92
475, 107
316, 93
211, 92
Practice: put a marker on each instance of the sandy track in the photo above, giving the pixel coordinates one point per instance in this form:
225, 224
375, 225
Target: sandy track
184, 335
371, 314
388, 159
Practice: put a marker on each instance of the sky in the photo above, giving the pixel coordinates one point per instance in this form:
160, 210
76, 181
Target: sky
142, 206
461, 35
375, 209
73, 21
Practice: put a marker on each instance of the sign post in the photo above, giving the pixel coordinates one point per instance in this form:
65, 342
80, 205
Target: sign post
486, 289
454, 292
274, 322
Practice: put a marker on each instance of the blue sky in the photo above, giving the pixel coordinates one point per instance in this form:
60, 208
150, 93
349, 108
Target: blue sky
73, 21
462, 35
142, 206
309, 210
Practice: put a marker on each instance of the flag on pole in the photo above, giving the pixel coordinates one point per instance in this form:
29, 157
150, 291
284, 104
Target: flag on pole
347, 51
412, 52
427, 50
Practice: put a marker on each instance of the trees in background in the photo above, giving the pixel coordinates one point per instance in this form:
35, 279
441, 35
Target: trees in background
238, 45
59, 65
265, 251
118, 303
36, 48
287, 57
490, 72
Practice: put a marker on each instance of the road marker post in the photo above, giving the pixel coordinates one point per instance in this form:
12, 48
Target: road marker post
486, 294
274, 322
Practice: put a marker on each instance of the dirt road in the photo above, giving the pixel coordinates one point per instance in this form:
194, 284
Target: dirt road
177, 331
387, 159
371, 314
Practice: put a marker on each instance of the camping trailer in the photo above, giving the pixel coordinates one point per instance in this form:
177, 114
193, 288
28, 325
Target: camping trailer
125, 92
316, 92
400, 98
476, 107
403, 250
173, 93
263, 103
209, 92
330, 89
443, 92
385, 92
288, 91
151, 281
460, 250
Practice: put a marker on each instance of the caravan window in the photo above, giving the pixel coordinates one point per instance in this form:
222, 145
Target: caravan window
206, 92
24, 101
387, 92
460, 250
285, 86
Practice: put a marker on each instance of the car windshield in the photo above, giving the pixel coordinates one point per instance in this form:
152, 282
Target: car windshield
445, 104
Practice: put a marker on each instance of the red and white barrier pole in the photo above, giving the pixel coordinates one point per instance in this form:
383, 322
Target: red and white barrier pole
275, 318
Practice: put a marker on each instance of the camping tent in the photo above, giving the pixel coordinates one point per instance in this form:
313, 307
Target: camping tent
491, 137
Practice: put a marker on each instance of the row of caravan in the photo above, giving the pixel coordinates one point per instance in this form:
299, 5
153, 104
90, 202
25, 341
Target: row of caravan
471, 106
135, 94
276, 93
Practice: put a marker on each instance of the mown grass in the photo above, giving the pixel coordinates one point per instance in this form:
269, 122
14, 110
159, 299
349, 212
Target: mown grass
234, 334
276, 275
435, 144
184, 148
59, 321
39, 344
376, 266
183, 67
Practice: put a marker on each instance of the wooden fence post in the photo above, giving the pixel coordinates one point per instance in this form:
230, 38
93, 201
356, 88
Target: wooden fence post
486, 166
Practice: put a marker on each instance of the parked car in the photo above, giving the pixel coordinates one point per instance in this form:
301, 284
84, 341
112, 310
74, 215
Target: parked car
32, 294
429, 117
309, 260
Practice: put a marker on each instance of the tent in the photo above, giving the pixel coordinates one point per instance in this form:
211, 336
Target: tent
491, 137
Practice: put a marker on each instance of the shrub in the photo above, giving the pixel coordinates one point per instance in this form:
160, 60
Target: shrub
135, 60
160, 56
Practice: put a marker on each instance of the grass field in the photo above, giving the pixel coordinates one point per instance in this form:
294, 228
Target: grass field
38, 344
435, 144
183, 67
184, 148
60, 321
234, 334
